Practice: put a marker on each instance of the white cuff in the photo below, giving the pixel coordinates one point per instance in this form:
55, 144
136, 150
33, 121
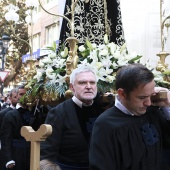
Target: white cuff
10, 162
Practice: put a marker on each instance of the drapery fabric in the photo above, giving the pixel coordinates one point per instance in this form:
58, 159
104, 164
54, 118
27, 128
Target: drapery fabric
92, 20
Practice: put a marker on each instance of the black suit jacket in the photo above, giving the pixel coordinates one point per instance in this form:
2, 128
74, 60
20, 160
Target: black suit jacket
14, 146
2, 113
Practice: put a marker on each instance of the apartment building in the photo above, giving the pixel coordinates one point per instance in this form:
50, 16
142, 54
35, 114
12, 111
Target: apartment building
46, 27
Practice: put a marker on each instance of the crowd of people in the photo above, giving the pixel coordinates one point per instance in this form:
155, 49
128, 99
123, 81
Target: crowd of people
15, 150
5, 101
132, 134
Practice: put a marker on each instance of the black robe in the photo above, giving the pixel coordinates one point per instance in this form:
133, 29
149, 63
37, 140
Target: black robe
2, 113
14, 146
69, 141
123, 142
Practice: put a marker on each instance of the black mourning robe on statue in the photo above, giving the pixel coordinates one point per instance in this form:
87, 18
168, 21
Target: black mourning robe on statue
90, 22
124, 142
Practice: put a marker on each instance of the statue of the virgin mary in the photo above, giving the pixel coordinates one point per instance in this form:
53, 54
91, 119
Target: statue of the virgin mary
93, 19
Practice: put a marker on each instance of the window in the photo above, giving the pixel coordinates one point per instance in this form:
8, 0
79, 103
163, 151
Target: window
52, 33
36, 42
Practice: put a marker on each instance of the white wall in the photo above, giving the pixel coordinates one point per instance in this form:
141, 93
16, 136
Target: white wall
141, 22
61, 7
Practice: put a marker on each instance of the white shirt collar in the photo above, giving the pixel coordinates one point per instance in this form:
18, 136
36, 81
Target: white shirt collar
18, 106
11, 106
79, 103
120, 106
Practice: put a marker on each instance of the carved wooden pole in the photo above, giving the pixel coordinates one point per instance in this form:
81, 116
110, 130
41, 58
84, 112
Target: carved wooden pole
35, 137
72, 59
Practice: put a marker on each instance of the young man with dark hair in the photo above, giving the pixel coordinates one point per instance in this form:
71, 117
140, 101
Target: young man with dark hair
13, 100
15, 149
129, 135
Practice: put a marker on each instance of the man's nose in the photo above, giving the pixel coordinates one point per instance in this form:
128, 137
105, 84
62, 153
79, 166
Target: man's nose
147, 101
88, 85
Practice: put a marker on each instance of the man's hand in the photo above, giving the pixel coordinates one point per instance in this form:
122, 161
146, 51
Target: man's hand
162, 102
10, 166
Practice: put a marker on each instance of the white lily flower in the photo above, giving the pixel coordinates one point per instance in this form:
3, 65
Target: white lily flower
93, 55
94, 45
106, 39
84, 62
115, 66
101, 74
41, 64
82, 48
47, 60
49, 71
52, 55
110, 79
51, 76
150, 67
60, 63
133, 54
160, 79
101, 47
122, 62
96, 65
106, 61
108, 71
112, 47
117, 55
103, 52
62, 53
60, 79
38, 76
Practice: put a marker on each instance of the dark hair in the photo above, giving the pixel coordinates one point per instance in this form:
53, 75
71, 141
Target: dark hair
131, 76
12, 91
20, 87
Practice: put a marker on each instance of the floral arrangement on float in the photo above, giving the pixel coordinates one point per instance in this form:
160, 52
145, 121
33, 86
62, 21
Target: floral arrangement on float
163, 79
50, 82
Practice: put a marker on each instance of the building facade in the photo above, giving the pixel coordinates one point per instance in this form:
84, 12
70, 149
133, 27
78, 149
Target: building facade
46, 27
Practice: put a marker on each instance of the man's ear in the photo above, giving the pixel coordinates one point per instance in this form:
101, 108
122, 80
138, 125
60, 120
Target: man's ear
121, 93
71, 87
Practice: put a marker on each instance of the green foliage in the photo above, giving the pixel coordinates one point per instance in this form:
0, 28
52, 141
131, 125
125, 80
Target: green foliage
53, 47
105, 87
167, 73
134, 59
165, 84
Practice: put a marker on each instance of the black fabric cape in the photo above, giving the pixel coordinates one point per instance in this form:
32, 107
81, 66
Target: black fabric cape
122, 142
114, 15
